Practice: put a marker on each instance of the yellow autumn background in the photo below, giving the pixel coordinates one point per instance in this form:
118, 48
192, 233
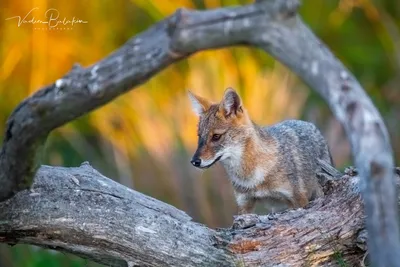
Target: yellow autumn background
146, 137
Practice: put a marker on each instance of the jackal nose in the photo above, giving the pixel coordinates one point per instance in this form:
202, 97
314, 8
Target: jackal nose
196, 162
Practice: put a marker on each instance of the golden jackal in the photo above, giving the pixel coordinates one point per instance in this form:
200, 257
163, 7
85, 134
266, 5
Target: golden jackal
277, 164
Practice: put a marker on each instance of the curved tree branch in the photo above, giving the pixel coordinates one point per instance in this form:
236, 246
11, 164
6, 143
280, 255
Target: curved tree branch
271, 25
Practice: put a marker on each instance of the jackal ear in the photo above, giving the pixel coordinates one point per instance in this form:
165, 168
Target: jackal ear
231, 103
199, 104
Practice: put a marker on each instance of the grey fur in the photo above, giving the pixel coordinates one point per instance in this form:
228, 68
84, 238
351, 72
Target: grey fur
300, 145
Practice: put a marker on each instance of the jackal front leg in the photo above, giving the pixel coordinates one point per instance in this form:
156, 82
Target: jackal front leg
245, 203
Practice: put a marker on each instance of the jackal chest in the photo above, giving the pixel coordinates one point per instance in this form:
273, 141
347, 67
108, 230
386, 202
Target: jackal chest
259, 185
246, 182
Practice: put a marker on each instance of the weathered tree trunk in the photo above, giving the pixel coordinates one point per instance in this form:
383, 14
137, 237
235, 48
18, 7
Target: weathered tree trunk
78, 210
271, 25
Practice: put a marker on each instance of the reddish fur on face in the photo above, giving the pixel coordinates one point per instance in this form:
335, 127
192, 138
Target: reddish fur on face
275, 163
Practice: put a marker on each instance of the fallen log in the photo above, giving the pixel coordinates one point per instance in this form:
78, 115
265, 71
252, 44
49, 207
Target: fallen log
78, 210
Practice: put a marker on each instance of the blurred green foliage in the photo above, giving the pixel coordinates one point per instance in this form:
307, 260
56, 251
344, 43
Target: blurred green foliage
145, 138
28, 256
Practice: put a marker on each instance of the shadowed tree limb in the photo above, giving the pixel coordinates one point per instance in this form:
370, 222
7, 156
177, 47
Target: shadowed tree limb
272, 25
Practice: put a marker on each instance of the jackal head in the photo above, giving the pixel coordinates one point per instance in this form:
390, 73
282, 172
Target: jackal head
221, 130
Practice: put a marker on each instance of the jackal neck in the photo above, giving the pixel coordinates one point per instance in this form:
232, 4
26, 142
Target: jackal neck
249, 161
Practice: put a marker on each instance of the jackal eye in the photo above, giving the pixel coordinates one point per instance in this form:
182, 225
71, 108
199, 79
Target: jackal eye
215, 137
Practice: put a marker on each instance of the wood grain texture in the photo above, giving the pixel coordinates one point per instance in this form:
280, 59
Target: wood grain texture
272, 25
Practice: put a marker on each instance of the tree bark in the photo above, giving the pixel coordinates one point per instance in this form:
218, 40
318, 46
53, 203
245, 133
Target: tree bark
78, 210
273, 26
